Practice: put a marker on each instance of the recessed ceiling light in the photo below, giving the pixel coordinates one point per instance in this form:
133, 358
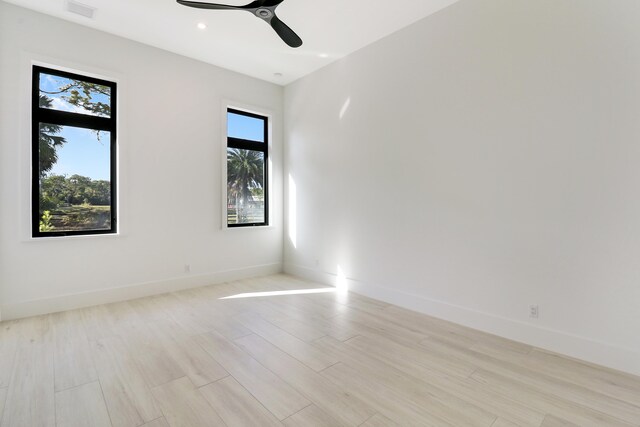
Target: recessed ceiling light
202, 26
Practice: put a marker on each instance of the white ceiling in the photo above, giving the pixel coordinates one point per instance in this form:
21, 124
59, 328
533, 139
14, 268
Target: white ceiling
238, 41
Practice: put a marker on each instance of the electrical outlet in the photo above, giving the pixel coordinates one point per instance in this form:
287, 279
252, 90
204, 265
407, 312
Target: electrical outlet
187, 268
534, 313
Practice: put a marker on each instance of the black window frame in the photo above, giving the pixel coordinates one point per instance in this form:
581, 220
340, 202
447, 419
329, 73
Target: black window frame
246, 144
79, 120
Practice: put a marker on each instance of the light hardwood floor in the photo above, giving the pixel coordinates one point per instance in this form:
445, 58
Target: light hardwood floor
206, 357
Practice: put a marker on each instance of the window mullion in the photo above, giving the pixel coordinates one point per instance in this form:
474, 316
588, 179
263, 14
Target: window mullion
245, 144
54, 117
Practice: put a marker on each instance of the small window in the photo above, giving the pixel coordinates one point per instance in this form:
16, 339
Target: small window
74, 154
247, 151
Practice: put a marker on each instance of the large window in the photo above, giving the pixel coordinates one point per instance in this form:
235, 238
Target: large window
74, 154
247, 150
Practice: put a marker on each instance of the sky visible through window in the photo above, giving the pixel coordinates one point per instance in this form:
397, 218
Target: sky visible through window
244, 127
86, 152
51, 86
83, 154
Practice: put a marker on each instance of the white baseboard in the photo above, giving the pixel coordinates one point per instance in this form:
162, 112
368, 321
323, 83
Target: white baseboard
311, 274
103, 296
578, 347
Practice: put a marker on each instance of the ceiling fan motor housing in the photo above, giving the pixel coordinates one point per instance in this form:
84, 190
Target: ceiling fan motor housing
264, 13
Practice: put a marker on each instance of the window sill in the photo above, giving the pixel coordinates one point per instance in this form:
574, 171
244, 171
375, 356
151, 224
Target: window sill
255, 227
66, 238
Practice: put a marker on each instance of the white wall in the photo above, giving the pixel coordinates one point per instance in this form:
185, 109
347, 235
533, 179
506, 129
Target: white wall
171, 156
482, 160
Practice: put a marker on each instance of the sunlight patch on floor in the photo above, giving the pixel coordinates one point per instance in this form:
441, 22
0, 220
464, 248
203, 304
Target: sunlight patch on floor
280, 293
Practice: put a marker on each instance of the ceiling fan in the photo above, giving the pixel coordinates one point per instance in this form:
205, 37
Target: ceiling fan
263, 9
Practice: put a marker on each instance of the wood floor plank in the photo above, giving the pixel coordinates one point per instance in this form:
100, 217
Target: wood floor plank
219, 291
153, 308
189, 321
313, 308
379, 421
109, 320
128, 397
158, 422
319, 390
73, 361
192, 359
82, 406
337, 327
413, 358
198, 322
236, 406
272, 391
8, 348
97, 322
184, 406
551, 421
450, 332
3, 398
154, 362
298, 329
34, 330
462, 388
389, 402
262, 307
513, 365
376, 326
549, 404
501, 422
226, 326
30, 397
446, 404
367, 304
312, 416
612, 383
205, 317
304, 352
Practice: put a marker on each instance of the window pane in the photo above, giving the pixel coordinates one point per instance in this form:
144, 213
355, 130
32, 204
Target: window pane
244, 127
65, 94
245, 186
75, 179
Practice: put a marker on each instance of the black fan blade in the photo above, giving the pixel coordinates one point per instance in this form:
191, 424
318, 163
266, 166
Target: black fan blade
201, 5
270, 3
285, 33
